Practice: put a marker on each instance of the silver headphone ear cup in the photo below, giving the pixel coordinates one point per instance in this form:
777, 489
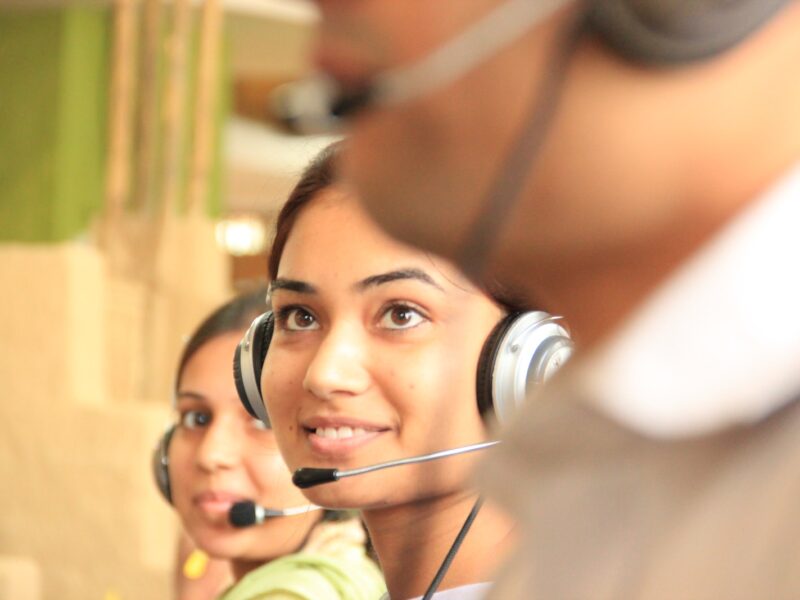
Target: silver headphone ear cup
486, 362
248, 362
239, 380
160, 464
531, 347
669, 32
548, 358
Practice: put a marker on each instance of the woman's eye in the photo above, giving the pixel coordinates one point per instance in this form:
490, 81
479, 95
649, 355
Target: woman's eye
401, 317
194, 419
297, 319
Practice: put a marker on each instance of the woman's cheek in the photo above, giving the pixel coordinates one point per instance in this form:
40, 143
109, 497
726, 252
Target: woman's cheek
280, 393
272, 478
180, 475
278, 385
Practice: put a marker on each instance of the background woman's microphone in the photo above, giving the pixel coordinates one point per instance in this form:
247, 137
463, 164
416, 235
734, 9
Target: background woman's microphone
248, 513
307, 477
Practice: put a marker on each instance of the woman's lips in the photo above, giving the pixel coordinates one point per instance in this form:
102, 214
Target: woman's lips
216, 502
330, 446
340, 436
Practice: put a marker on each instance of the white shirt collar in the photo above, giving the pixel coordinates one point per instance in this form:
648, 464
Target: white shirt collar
718, 343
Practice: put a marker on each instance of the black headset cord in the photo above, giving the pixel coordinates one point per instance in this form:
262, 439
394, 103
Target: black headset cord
503, 193
451, 554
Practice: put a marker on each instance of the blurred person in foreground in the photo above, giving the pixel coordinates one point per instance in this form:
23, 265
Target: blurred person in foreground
637, 164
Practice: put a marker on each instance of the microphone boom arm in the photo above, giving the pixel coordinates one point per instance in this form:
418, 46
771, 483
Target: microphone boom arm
416, 459
285, 512
307, 477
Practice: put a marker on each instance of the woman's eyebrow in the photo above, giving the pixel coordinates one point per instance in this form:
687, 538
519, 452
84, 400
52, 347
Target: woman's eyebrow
190, 395
396, 275
292, 285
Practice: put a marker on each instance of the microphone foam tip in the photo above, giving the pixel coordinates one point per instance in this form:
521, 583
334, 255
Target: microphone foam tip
242, 514
307, 477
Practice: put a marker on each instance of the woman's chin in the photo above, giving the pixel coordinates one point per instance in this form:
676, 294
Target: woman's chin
382, 490
333, 496
351, 495
219, 547
230, 549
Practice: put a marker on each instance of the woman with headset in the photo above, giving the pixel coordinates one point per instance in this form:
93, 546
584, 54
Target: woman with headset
370, 356
217, 455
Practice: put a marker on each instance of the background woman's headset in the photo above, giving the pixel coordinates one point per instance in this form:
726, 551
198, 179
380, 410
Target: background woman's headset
160, 464
522, 351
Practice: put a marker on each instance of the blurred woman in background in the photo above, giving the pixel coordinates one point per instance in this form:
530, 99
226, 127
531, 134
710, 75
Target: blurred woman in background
217, 455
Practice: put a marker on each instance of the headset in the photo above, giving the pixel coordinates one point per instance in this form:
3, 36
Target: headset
522, 351
160, 464
659, 33
673, 32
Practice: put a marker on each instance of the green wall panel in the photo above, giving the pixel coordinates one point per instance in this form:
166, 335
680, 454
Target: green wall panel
54, 89
29, 47
53, 81
81, 140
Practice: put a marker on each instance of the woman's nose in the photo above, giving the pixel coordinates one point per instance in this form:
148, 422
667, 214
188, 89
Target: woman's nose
339, 365
221, 445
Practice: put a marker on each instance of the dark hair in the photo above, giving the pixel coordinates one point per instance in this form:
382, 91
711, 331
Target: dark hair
321, 174
234, 315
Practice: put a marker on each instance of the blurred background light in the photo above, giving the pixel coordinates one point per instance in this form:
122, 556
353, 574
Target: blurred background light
242, 235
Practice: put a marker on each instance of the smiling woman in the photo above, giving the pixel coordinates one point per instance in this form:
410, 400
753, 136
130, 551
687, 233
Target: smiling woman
217, 455
373, 358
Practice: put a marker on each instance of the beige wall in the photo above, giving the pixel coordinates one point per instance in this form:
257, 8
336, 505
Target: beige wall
87, 377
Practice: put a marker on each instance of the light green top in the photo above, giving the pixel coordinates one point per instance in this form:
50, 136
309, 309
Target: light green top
333, 565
